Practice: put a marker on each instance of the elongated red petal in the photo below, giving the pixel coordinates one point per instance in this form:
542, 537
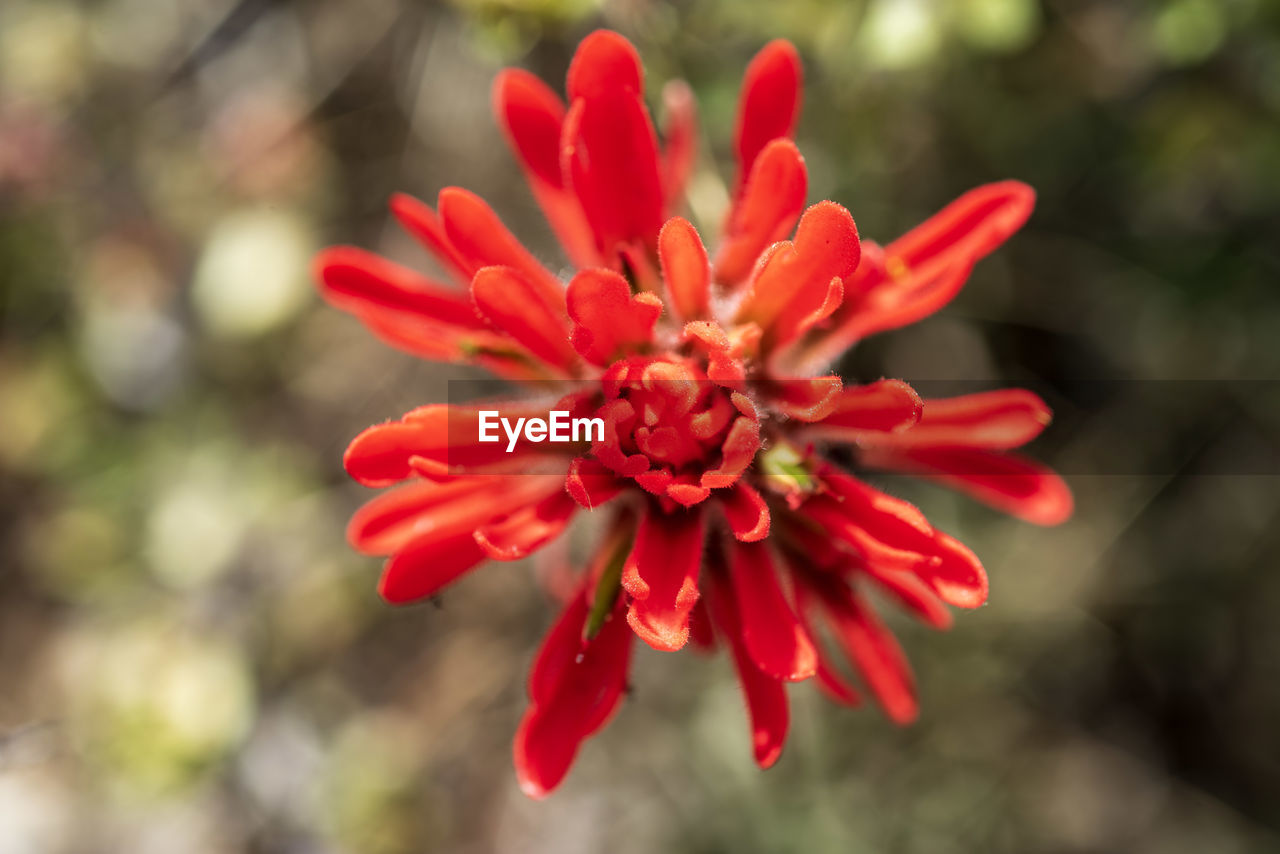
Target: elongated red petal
605, 63
795, 280
685, 269
482, 239
1001, 419
680, 135
925, 268
769, 104
357, 281
765, 696
514, 305
774, 637
766, 211
421, 221
443, 435
526, 530
916, 596
874, 651
532, 118
590, 483
609, 149
661, 574
1008, 482
575, 687
807, 400
396, 517
531, 114
865, 412
608, 321
746, 512
426, 565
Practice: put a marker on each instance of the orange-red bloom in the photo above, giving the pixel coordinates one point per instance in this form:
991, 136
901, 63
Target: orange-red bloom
723, 520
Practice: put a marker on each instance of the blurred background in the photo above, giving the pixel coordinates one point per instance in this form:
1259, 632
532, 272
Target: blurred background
192, 661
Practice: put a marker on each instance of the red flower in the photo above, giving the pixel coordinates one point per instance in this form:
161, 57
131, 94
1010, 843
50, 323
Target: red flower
706, 371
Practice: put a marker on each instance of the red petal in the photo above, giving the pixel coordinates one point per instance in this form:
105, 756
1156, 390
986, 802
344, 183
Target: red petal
608, 322
528, 529
575, 688
1008, 482
482, 239
1006, 418
531, 114
514, 305
874, 651
685, 268
795, 280
439, 434
925, 268
680, 131
532, 117
806, 400
357, 281
423, 567
590, 483
421, 221
916, 596
867, 411
737, 452
766, 697
605, 63
608, 146
765, 212
774, 638
392, 520
769, 104
958, 578
746, 512
661, 574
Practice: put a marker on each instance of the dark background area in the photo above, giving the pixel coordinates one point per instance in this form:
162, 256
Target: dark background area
190, 658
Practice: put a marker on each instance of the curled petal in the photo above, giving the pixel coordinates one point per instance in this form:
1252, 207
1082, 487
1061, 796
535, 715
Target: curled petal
608, 321
769, 104
765, 212
684, 268
661, 575
794, 281
738, 451
590, 483
747, 513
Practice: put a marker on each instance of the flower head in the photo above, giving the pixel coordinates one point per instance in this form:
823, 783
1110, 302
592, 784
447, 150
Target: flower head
723, 521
